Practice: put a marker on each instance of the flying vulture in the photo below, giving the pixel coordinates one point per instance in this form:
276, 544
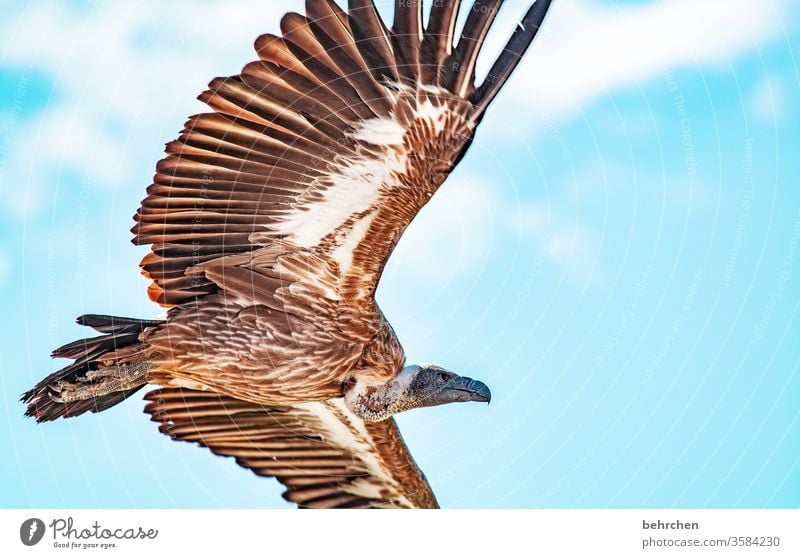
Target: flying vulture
270, 221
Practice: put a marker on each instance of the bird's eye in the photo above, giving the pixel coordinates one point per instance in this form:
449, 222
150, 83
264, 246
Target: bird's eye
443, 376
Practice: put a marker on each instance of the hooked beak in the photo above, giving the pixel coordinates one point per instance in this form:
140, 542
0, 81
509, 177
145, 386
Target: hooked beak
462, 388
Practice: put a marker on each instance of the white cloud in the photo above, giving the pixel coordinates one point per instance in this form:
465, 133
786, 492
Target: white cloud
452, 235
121, 70
116, 54
587, 50
574, 250
766, 102
132, 64
466, 221
4, 266
529, 218
563, 242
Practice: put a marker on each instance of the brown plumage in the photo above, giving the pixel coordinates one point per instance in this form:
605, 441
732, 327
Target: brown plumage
270, 221
297, 446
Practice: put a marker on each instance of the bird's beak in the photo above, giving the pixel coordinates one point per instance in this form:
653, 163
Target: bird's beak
462, 388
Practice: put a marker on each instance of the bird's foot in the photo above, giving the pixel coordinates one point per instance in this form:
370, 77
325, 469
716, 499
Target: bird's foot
100, 382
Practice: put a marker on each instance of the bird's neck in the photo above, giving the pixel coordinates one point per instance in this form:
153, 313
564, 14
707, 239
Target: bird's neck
374, 403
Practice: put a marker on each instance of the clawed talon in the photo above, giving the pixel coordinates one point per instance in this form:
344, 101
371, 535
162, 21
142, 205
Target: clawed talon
100, 382
63, 387
66, 392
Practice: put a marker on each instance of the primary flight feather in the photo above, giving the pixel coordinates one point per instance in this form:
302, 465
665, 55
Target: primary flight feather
270, 221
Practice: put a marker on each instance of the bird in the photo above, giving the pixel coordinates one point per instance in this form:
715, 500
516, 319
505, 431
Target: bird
270, 221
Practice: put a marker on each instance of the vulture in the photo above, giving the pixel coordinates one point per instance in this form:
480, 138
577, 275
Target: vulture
269, 221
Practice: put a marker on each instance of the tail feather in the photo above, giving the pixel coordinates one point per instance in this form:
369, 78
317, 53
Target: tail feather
121, 335
115, 324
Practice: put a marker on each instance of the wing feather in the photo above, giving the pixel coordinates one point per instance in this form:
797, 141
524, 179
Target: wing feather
465, 55
373, 40
437, 44
321, 453
406, 39
328, 144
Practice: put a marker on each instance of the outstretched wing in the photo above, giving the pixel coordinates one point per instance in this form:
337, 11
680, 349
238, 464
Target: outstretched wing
324, 455
322, 150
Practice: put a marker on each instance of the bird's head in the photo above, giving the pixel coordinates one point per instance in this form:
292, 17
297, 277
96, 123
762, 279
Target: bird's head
430, 385
414, 386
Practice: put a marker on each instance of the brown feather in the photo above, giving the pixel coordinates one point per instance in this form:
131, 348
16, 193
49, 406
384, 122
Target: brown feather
465, 55
373, 40
299, 448
437, 44
406, 38
329, 25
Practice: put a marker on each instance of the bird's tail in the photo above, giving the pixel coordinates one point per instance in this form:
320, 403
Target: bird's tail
106, 370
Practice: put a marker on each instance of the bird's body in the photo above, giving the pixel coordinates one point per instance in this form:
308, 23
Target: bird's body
294, 320
267, 357
270, 222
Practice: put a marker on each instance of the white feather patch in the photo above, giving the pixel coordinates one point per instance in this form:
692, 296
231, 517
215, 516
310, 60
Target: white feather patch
380, 131
350, 240
356, 185
365, 489
352, 190
186, 383
435, 114
428, 88
354, 437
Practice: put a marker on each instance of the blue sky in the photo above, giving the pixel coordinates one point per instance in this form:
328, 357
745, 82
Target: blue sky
617, 256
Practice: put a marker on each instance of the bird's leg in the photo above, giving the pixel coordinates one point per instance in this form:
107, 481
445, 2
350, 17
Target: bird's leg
102, 381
